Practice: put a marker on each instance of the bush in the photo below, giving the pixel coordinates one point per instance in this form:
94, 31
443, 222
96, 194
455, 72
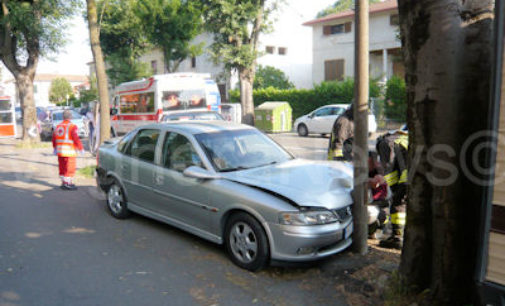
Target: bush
303, 101
395, 105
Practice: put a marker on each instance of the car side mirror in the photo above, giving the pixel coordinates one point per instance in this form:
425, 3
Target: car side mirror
113, 111
199, 173
311, 115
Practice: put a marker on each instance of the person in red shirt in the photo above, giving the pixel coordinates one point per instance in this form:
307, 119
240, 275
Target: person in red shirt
65, 143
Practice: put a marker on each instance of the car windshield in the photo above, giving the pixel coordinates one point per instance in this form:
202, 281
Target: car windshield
241, 149
59, 116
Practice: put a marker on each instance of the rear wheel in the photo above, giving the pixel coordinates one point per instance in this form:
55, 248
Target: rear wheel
116, 201
302, 130
246, 242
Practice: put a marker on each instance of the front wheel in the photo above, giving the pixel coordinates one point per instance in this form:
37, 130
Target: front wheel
116, 201
246, 242
302, 130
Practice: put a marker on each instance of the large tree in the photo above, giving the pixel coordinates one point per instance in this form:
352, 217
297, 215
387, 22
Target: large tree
28, 30
269, 76
236, 26
131, 28
103, 92
60, 90
123, 40
447, 52
171, 25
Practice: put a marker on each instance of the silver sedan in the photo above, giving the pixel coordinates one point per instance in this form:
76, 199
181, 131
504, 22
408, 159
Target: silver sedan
233, 185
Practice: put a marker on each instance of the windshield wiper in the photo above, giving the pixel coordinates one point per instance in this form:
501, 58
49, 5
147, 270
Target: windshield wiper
234, 169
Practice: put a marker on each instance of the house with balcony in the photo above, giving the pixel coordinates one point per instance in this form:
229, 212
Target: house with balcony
333, 44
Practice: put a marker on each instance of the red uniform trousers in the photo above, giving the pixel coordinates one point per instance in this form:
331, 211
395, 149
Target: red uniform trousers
67, 166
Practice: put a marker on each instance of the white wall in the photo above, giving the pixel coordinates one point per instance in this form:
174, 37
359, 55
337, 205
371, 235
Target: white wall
341, 46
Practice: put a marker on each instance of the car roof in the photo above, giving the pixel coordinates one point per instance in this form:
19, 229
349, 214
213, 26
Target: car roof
198, 127
337, 105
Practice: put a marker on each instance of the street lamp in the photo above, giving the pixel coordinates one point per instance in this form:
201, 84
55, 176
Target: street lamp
67, 100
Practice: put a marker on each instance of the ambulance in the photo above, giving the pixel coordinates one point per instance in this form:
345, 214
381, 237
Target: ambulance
148, 100
7, 118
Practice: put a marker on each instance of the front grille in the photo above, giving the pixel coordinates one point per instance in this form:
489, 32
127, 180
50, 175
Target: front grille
343, 213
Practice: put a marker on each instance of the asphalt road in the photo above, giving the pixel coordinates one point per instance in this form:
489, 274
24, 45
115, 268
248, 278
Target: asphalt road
63, 248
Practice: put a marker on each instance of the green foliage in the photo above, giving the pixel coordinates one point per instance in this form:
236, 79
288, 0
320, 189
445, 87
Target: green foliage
87, 172
130, 28
395, 105
171, 25
38, 24
122, 70
236, 26
269, 76
339, 6
88, 95
59, 91
303, 101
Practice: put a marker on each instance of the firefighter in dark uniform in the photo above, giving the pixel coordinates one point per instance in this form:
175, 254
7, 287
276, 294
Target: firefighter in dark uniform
392, 149
343, 129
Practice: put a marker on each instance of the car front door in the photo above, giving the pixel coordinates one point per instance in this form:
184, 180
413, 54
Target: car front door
320, 120
178, 196
137, 168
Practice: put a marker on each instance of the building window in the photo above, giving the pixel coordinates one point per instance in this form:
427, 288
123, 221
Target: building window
34, 88
270, 49
394, 20
337, 28
283, 50
154, 66
193, 62
334, 70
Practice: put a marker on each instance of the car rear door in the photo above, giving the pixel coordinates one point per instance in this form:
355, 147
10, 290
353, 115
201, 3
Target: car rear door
137, 168
177, 196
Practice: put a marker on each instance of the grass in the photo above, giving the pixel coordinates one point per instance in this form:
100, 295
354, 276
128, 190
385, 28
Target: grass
87, 172
399, 293
34, 145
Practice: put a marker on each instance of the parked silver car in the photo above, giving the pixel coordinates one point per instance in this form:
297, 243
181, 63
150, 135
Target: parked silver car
233, 185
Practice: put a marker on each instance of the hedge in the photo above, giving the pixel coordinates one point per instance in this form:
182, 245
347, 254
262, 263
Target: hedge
395, 104
303, 101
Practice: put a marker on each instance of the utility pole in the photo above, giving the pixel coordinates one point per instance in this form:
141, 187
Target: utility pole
360, 149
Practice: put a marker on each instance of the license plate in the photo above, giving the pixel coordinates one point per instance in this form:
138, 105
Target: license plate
348, 231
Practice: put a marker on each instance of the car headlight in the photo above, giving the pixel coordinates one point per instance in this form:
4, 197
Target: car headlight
309, 217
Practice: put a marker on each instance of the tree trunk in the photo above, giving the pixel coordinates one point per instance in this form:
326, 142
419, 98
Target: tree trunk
103, 92
246, 77
24, 83
447, 53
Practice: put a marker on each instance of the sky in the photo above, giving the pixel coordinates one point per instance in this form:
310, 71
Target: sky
76, 53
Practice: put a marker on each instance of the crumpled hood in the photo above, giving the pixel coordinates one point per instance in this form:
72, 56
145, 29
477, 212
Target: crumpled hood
307, 183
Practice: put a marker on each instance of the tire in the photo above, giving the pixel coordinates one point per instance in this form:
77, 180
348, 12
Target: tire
116, 201
246, 242
303, 130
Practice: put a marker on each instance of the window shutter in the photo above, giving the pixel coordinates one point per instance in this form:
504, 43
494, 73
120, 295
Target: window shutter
348, 27
326, 30
339, 69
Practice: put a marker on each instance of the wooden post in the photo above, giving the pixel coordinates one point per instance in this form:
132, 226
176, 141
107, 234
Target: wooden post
360, 149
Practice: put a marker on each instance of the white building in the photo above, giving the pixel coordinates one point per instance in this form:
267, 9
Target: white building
287, 47
41, 86
333, 44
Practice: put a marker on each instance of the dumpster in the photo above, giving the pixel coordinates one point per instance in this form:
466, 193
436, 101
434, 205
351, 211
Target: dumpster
7, 118
273, 117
